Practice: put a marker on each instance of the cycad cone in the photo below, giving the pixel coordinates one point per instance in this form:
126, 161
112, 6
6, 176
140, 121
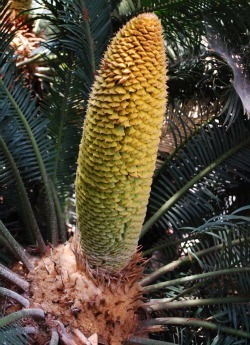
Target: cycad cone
119, 145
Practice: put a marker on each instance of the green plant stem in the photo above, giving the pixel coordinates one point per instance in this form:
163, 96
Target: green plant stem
13, 277
184, 292
146, 341
16, 247
19, 183
9, 247
147, 324
168, 204
54, 338
163, 285
177, 263
59, 136
24, 200
11, 294
62, 115
30, 330
59, 213
161, 304
34, 313
89, 39
51, 210
194, 287
30, 60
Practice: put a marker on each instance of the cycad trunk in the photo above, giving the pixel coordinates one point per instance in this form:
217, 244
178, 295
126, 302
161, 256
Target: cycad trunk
118, 150
94, 286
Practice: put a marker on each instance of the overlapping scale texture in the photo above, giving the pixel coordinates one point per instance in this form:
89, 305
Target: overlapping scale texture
119, 145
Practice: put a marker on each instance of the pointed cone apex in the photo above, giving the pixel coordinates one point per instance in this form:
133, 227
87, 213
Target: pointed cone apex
120, 141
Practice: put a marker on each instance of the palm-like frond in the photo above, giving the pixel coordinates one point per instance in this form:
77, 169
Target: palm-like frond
204, 57
81, 30
222, 253
29, 143
13, 334
184, 29
19, 111
182, 121
10, 326
6, 31
192, 184
64, 110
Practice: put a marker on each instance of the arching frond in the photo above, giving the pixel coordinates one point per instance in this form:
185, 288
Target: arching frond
6, 31
193, 182
217, 276
31, 147
204, 57
13, 334
81, 30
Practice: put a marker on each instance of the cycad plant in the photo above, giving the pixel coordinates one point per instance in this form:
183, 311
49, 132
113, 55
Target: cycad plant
188, 281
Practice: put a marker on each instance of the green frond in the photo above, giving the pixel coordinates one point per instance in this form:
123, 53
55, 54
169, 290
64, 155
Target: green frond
6, 30
81, 30
191, 184
200, 329
31, 146
182, 120
7, 293
24, 202
13, 334
233, 47
205, 57
145, 341
15, 246
65, 113
227, 340
218, 288
21, 314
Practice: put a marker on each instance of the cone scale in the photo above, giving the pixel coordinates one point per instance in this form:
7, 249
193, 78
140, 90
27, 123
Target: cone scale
119, 145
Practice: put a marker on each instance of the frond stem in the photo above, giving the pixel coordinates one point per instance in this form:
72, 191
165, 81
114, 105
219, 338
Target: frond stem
13, 277
59, 213
61, 123
163, 285
146, 341
28, 61
89, 39
16, 247
12, 294
148, 324
54, 338
24, 200
51, 211
13, 317
177, 263
161, 304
